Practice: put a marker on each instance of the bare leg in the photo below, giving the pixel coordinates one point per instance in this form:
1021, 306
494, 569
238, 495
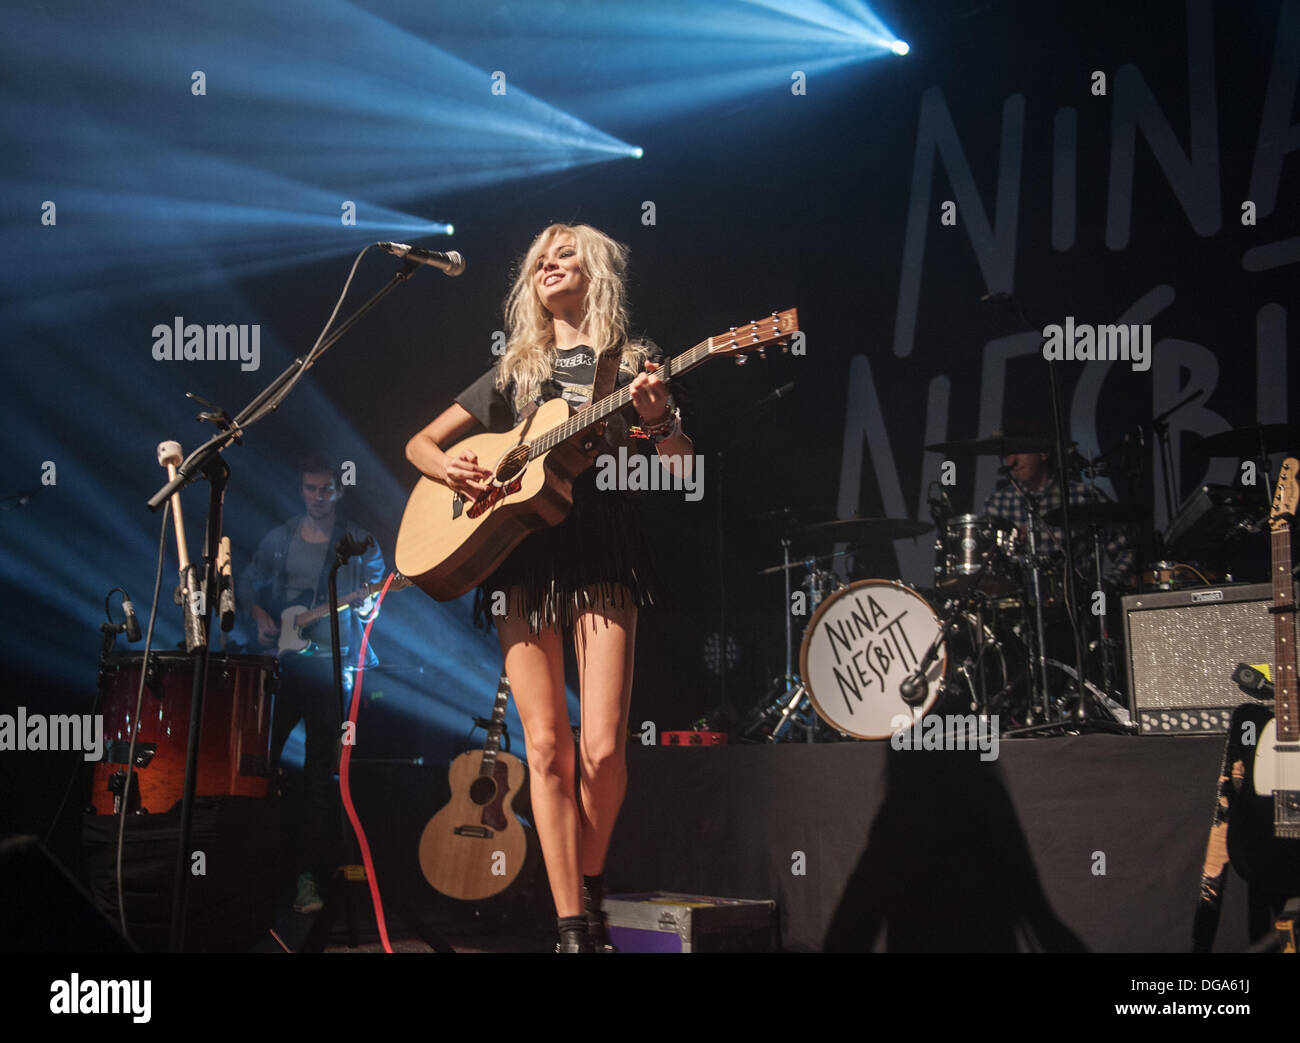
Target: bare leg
605, 642
535, 665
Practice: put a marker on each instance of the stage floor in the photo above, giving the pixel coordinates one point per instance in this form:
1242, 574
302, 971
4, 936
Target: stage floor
1083, 843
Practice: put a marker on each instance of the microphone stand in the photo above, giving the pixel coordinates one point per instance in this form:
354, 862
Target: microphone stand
720, 514
1081, 713
207, 461
1160, 425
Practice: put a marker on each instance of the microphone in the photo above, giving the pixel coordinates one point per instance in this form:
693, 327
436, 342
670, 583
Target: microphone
225, 586
132, 622
913, 689
772, 396
452, 263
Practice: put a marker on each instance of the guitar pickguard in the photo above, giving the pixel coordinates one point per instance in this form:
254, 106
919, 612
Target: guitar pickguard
1277, 775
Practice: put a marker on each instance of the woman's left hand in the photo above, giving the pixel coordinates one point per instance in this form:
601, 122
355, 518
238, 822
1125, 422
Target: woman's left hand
649, 395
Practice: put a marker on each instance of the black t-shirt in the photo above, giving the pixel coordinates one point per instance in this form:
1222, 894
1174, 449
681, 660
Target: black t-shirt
572, 375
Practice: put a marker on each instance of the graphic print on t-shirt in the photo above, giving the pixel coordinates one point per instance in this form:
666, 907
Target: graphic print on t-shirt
572, 378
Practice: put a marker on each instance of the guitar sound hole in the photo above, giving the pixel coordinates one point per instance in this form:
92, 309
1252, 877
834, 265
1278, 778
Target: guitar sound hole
481, 791
512, 464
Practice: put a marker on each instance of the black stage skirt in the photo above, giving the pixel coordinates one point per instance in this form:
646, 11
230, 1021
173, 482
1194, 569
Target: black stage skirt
599, 555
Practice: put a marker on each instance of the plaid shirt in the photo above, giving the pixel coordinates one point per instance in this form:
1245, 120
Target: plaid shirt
1007, 504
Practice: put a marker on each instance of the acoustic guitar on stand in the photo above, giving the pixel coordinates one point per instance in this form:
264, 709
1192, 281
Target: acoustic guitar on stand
448, 544
475, 846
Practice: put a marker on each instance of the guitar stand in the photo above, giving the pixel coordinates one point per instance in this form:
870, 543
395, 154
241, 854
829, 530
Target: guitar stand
342, 886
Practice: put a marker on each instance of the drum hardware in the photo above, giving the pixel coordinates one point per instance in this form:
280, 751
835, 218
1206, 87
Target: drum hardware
1255, 442
1115, 717
913, 689
1160, 425
803, 563
863, 530
790, 706
1210, 517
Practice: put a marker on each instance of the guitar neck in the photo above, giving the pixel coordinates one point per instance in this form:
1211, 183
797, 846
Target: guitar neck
736, 341
345, 602
493, 742
1284, 630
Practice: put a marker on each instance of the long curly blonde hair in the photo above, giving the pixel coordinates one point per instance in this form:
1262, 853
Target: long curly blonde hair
530, 328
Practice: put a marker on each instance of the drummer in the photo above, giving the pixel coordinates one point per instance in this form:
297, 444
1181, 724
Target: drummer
1036, 474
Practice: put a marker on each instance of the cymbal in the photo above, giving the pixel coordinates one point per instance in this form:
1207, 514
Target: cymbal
1243, 442
998, 445
1103, 514
802, 563
864, 530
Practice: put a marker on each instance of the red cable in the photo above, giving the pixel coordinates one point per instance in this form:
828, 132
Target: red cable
344, 763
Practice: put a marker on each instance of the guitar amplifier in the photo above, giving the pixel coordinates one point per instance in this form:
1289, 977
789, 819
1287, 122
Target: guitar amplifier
1182, 648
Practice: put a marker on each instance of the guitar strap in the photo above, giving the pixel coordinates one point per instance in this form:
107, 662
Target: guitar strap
606, 373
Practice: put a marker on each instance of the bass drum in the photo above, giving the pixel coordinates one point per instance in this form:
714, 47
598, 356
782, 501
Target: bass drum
860, 646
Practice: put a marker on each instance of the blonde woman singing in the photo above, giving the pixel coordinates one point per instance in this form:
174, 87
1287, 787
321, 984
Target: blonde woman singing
590, 573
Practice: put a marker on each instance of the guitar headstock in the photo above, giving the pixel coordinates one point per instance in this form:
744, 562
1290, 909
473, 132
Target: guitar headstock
777, 328
1285, 497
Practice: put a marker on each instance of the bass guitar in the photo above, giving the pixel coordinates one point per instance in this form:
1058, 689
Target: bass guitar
448, 545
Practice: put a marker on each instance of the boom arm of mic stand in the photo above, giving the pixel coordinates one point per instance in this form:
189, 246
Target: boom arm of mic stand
197, 460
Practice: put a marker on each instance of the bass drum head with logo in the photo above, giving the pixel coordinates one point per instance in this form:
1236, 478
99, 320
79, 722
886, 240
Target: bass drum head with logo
860, 645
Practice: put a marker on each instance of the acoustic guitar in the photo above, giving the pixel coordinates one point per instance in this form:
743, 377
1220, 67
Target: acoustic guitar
448, 545
475, 846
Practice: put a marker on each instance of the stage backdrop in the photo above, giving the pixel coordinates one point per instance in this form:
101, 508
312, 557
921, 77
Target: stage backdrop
1077, 164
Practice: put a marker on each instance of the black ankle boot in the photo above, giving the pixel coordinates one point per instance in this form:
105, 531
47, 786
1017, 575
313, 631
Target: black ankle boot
574, 936
593, 894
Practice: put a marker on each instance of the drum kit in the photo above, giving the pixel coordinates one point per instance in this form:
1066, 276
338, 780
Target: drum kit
876, 654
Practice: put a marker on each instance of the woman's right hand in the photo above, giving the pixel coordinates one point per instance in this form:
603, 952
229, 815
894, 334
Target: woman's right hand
463, 474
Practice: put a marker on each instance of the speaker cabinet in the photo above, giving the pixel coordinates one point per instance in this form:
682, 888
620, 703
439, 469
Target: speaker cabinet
1182, 648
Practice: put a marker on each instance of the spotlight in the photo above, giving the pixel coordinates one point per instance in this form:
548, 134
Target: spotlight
638, 152
451, 229
899, 47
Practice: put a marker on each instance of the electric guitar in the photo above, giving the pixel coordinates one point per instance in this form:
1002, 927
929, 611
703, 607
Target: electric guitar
1264, 824
296, 618
475, 846
448, 544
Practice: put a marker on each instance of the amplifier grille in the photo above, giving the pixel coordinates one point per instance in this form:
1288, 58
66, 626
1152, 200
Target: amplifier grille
1182, 648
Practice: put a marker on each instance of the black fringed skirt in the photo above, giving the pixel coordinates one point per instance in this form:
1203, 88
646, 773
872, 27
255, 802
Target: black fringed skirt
599, 555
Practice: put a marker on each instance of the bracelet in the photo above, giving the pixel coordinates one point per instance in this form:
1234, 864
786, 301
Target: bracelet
666, 428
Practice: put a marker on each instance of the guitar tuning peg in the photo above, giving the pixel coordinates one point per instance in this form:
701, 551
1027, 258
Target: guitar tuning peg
762, 352
785, 347
741, 359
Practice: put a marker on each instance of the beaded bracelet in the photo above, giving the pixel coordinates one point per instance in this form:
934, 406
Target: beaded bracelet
669, 426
